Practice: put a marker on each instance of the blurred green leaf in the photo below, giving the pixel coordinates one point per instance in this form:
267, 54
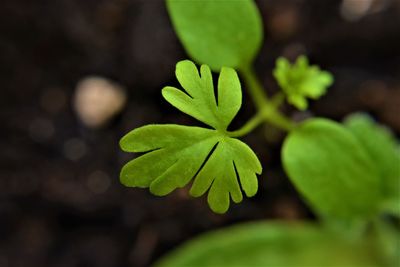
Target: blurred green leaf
386, 236
218, 33
331, 169
383, 148
300, 80
176, 154
271, 244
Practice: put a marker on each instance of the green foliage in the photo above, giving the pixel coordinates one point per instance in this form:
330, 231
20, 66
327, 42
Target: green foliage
199, 100
386, 236
272, 244
218, 33
300, 80
348, 173
383, 149
176, 154
331, 169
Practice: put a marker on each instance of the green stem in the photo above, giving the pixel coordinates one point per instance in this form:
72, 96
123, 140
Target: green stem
249, 126
278, 99
273, 116
267, 109
255, 88
268, 113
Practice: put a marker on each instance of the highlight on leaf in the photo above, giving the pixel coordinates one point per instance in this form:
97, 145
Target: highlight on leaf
300, 81
176, 154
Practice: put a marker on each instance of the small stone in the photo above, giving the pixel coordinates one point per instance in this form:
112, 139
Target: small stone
97, 100
353, 10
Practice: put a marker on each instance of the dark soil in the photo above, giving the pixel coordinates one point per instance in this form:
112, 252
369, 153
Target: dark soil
50, 215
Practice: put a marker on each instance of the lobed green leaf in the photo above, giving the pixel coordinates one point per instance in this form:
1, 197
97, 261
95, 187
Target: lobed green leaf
199, 100
176, 154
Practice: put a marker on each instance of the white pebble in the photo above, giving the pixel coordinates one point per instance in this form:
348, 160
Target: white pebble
353, 10
97, 100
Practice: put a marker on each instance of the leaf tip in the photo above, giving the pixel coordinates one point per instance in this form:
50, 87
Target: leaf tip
124, 177
218, 209
184, 64
124, 143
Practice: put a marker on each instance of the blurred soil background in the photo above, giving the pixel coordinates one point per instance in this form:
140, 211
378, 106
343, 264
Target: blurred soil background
77, 75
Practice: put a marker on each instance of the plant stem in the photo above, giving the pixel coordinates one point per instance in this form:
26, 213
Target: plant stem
278, 99
272, 115
267, 109
255, 88
249, 126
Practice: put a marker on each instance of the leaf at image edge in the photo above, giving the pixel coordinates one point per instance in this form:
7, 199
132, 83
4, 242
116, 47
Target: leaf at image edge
270, 244
218, 33
331, 170
382, 146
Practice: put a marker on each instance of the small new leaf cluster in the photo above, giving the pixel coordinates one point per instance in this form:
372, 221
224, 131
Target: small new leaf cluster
300, 81
176, 154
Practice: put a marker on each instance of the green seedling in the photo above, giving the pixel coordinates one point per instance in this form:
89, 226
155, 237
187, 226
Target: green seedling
178, 153
332, 165
348, 173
